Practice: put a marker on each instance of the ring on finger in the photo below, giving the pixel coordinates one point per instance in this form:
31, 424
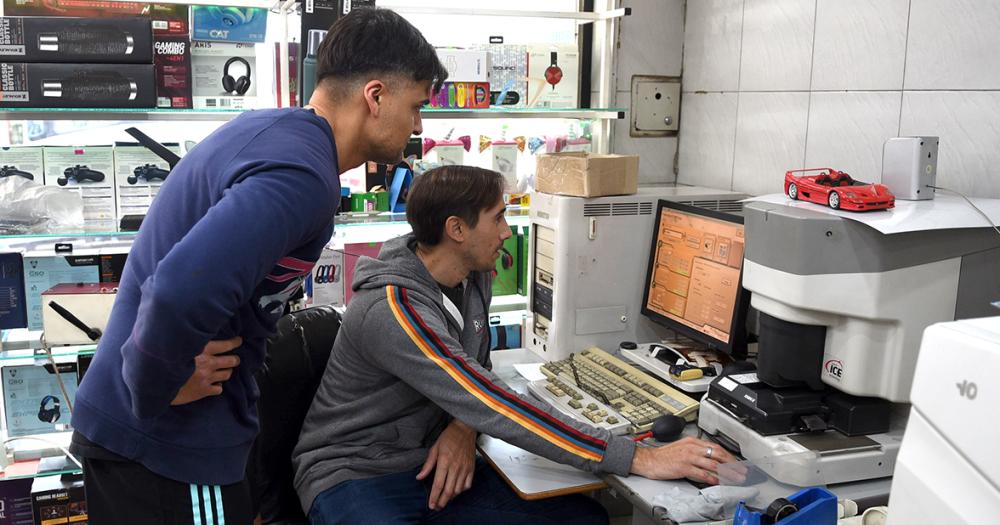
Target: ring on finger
708, 452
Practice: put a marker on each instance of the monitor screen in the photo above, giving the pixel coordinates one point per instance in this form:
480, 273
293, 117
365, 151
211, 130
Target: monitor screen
694, 278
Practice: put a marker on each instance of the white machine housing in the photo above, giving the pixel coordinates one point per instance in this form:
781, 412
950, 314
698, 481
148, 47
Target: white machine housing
909, 167
91, 303
948, 470
588, 262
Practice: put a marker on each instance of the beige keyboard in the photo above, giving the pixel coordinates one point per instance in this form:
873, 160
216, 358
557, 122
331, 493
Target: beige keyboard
615, 391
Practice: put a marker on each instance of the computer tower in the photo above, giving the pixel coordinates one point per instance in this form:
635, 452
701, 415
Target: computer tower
587, 264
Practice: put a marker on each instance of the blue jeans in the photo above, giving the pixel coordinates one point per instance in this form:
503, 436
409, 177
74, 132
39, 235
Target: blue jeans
402, 499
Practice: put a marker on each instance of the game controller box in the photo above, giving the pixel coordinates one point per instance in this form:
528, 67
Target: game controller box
138, 175
224, 75
229, 24
23, 161
172, 62
87, 171
76, 40
77, 85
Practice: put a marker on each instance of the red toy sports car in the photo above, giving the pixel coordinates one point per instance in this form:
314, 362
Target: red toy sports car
837, 190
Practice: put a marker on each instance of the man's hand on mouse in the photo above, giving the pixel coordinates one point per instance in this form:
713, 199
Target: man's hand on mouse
210, 371
689, 458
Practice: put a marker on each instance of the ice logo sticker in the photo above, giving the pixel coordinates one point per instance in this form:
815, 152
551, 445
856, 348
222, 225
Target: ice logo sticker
835, 368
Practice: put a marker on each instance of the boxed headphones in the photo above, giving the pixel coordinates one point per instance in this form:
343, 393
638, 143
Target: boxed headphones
77, 85
229, 24
33, 397
76, 40
223, 75
89, 172
553, 76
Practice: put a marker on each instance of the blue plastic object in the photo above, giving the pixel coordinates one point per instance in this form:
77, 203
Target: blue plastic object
816, 506
401, 179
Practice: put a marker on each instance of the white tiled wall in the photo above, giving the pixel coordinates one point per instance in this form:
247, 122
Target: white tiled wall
650, 42
773, 85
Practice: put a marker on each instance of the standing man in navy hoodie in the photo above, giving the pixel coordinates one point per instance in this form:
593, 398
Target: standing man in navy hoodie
167, 412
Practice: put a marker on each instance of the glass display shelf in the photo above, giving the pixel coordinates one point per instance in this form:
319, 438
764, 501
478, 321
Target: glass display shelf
17, 471
225, 114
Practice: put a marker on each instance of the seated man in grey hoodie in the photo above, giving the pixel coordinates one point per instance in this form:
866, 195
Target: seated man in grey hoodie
408, 386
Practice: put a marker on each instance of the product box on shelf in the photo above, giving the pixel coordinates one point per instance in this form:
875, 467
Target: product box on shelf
327, 283
80, 8
44, 272
466, 65
223, 75
228, 24
13, 313
22, 161
467, 95
138, 175
553, 76
509, 64
15, 502
76, 40
293, 74
170, 19
587, 175
89, 172
57, 500
33, 397
505, 273
172, 62
505, 155
522, 261
77, 85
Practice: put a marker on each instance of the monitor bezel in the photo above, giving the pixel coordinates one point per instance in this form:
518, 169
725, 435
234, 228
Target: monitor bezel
737, 327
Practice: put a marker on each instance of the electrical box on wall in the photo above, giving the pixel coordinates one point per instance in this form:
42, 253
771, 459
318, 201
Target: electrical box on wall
655, 106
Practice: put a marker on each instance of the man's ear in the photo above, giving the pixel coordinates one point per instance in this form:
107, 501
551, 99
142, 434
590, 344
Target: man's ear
455, 228
374, 90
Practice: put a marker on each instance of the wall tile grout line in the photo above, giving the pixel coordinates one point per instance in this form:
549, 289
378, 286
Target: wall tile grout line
739, 85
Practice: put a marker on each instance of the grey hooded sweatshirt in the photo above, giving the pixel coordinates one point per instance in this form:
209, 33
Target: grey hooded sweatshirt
406, 361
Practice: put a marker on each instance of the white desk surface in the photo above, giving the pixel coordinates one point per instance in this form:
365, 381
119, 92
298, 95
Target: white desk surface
529, 475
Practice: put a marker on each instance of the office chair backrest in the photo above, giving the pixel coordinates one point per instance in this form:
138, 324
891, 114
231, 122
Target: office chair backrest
295, 361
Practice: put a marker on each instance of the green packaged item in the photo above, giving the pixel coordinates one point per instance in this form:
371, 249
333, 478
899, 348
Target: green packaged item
505, 281
363, 202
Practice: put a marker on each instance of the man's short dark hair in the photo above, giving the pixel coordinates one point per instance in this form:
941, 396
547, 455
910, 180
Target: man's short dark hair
460, 191
370, 41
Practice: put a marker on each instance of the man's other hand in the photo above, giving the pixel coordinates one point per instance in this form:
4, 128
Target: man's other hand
210, 371
453, 460
689, 458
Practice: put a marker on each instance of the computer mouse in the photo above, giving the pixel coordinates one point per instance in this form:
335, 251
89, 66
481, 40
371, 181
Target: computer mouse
668, 428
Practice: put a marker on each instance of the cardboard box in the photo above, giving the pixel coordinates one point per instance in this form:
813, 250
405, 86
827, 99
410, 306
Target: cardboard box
587, 175
77, 85
170, 19
229, 24
553, 76
56, 500
509, 66
138, 173
33, 398
22, 161
208, 64
89, 172
76, 40
466, 65
172, 65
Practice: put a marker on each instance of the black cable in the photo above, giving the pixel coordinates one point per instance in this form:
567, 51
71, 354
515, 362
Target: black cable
93, 333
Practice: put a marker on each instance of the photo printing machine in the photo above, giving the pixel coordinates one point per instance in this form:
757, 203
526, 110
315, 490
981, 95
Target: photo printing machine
842, 309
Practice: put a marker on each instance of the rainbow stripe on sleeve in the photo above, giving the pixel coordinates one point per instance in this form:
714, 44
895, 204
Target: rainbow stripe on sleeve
524, 414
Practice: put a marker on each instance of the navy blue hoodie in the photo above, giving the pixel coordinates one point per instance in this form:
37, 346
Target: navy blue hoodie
233, 231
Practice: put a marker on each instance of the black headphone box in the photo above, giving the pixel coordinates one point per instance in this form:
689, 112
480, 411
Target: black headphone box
77, 85
76, 40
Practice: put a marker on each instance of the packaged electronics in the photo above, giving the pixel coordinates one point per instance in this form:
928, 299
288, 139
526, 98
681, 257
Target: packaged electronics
25, 161
33, 397
13, 313
172, 62
170, 19
59, 499
223, 75
229, 24
467, 95
466, 65
138, 175
77, 85
89, 172
553, 76
76, 40
509, 65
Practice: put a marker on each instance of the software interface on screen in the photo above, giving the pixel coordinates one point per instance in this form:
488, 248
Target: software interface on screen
695, 276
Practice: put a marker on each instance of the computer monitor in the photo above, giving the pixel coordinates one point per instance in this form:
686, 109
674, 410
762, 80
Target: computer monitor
694, 279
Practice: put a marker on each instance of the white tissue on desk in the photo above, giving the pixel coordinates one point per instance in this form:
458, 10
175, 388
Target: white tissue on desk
712, 503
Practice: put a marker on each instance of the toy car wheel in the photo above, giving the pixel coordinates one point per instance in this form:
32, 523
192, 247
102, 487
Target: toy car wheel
793, 191
834, 200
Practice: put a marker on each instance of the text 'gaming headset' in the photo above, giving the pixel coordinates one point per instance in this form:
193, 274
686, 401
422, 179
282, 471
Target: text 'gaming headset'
50, 413
237, 86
